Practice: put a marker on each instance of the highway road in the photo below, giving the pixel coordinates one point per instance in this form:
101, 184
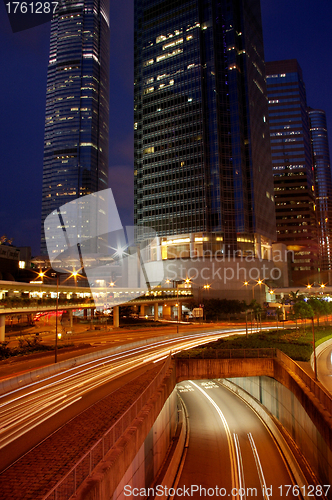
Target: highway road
31, 413
231, 453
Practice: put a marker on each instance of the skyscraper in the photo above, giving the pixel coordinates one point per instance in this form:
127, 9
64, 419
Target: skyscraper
293, 170
77, 105
323, 187
203, 176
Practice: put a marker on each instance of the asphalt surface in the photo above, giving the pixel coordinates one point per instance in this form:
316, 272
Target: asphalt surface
231, 452
85, 339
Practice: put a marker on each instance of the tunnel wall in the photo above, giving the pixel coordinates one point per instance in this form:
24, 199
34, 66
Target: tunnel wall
147, 462
284, 405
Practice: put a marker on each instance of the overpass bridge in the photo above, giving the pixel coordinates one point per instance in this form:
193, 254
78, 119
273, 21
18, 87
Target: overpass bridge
30, 298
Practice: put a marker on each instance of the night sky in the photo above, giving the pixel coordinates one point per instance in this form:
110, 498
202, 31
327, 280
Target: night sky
293, 29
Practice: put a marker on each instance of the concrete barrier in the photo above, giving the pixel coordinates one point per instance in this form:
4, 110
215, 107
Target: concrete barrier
133, 462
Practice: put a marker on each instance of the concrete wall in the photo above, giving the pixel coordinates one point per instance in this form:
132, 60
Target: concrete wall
140, 451
284, 405
146, 464
196, 369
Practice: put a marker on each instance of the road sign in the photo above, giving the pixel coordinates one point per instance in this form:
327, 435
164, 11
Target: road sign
198, 312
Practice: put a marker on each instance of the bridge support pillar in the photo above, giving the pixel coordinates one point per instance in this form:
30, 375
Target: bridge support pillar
155, 312
2, 327
167, 311
116, 316
142, 310
179, 311
71, 318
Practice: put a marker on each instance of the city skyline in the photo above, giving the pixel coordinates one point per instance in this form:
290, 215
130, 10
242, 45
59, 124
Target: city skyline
286, 35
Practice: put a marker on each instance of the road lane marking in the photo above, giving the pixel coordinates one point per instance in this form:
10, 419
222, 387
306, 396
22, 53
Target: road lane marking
240, 466
259, 466
232, 454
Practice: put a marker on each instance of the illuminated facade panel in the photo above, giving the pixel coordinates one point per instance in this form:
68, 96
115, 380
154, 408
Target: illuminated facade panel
77, 105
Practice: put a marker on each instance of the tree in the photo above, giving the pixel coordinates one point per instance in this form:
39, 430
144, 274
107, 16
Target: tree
257, 309
303, 310
318, 307
295, 297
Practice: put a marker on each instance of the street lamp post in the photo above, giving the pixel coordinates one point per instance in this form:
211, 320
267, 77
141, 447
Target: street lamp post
56, 319
178, 305
314, 347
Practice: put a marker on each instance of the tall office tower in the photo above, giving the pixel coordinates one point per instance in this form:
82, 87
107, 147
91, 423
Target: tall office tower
293, 168
77, 105
203, 176
323, 187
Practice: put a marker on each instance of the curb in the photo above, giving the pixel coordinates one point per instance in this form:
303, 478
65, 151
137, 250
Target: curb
171, 469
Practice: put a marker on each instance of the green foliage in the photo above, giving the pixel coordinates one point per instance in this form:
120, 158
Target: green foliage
297, 345
303, 310
5, 352
26, 345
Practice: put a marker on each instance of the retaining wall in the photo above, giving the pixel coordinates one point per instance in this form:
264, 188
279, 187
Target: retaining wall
139, 453
284, 405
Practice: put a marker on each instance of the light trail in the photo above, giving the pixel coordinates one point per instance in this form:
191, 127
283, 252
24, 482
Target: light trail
251, 473
22, 409
259, 466
240, 466
231, 448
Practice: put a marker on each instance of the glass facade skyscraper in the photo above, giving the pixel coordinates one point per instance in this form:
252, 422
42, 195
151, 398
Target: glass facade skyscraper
293, 171
323, 187
77, 105
203, 175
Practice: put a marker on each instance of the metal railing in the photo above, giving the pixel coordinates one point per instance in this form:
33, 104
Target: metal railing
68, 485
